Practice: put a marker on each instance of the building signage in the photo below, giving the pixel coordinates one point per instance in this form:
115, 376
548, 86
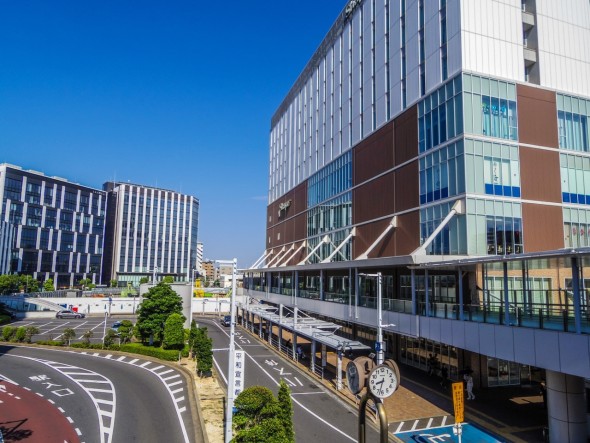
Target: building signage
351, 6
238, 372
284, 206
459, 402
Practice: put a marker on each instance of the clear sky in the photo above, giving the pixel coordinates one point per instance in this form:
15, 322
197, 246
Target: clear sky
174, 94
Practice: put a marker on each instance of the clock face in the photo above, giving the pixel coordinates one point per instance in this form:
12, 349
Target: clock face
382, 381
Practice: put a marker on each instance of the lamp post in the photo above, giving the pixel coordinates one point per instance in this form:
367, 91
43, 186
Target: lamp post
104, 330
232, 348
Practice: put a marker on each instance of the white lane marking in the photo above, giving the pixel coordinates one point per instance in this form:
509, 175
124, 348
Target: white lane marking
158, 367
108, 356
121, 358
133, 361
181, 410
53, 329
165, 372
40, 395
298, 381
174, 384
429, 423
401, 425
308, 393
290, 382
104, 429
444, 420
143, 365
4, 378
78, 432
61, 410
414, 426
70, 419
171, 377
294, 400
51, 401
178, 400
176, 391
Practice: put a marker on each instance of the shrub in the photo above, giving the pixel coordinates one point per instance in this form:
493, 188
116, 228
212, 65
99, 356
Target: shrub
50, 342
162, 354
21, 334
68, 334
109, 338
31, 330
8, 332
87, 336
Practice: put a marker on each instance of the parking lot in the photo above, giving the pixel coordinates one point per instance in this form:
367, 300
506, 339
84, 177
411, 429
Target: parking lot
52, 328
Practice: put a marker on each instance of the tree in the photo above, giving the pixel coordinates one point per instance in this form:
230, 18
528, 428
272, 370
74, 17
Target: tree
203, 346
30, 331
126, 331
48, 285
174, 332
21, 333
286, 411
168, 279
158, 304
192, 337
109, 338
29, 284
113, 283
257, 417
87, 336
68, 334
9, 283
143, 280
86, 283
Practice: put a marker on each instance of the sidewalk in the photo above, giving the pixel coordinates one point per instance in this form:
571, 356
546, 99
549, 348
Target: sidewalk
515, 413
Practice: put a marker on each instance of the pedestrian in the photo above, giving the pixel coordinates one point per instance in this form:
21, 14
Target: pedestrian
543, 390
429, 364
299, 352
469, 382
444, 377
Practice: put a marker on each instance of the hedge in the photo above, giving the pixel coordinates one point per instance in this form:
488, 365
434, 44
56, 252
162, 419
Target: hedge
4, 319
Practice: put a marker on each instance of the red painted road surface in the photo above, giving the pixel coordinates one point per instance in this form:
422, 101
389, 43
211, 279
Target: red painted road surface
26, 417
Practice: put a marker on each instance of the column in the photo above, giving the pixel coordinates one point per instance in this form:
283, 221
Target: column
506, 295
414, 299
426, 293
566, 408
576, 291
312, 356
461, 298
339, 353
269, 323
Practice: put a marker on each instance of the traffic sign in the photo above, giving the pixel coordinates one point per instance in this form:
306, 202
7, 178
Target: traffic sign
459, 402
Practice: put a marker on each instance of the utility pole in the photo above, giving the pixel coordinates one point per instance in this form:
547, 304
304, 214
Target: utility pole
231, 365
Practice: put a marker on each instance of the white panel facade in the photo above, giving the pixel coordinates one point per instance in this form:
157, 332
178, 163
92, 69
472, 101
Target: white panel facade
357, 77
563, 50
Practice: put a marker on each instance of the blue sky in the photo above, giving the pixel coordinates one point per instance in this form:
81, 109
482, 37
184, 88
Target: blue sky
175, 94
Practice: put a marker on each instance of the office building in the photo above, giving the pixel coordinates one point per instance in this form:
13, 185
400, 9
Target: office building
437, 153
149, 231
199, 265
6, 242
57, 226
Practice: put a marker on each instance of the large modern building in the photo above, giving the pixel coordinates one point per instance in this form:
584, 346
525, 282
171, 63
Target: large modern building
437, 153
52, 227
149, 232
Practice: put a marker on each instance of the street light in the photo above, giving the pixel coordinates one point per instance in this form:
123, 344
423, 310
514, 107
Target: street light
232, 348
104, 330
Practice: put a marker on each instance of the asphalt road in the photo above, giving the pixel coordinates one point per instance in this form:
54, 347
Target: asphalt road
107, 398
318, 415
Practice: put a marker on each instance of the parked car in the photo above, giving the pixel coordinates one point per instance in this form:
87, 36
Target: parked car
66, 313
116, 326
226, 320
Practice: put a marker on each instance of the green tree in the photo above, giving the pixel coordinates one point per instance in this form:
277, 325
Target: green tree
168, 279
30, 331
143, 280
192, 337
257, 417
8, 332
87, 336
126, 331
29, 284
286, 411
67, 335
48, 285
174, 332
21, 334
158, 304
109, 338
86, 283
204, 352
113, 283
9, 283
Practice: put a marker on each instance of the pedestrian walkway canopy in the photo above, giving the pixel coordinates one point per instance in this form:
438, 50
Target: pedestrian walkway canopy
321, 331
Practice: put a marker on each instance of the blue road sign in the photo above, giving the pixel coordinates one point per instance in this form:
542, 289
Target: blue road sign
470, 434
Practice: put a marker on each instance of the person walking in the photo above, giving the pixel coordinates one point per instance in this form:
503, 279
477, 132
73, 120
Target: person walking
469, 382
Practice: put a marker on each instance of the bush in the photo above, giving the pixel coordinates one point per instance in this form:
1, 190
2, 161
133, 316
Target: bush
21, 334
162, 354
109, 338
50, 342
8, 332
4, 319
31, 330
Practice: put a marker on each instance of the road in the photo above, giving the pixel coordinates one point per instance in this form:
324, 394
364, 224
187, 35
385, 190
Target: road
107, 398
319, 416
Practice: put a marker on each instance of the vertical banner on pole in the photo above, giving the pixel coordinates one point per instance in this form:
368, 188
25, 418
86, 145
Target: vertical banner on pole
238, 373
459, 402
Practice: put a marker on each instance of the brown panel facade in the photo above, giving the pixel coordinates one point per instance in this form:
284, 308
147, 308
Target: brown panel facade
406, 136
374, 199
537, 116
402, 240
540, 177
542, 227
373, 155
287, 216
407, 186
